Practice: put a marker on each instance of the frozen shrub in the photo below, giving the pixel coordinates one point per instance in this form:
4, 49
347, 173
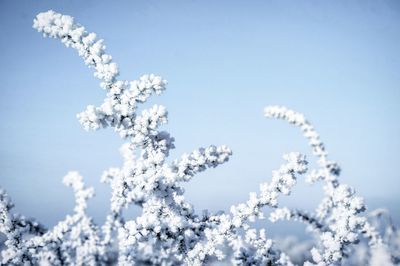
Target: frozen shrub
168, 231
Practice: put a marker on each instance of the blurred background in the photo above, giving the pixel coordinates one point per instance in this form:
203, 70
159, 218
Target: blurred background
335, 61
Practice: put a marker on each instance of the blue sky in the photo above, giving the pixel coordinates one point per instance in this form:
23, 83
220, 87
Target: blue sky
336, 61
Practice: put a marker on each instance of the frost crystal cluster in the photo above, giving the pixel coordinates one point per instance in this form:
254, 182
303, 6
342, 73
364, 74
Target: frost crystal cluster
168, 231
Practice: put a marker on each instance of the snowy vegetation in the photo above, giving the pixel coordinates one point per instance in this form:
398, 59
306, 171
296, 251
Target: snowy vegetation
168, 231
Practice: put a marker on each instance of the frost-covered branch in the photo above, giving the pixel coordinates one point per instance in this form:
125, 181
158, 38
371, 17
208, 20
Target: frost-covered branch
168, 231
339, 211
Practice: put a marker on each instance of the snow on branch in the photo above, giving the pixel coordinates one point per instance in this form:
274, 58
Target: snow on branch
168, 231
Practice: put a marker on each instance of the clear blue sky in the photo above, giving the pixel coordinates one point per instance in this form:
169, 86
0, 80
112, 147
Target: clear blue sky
336, 61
